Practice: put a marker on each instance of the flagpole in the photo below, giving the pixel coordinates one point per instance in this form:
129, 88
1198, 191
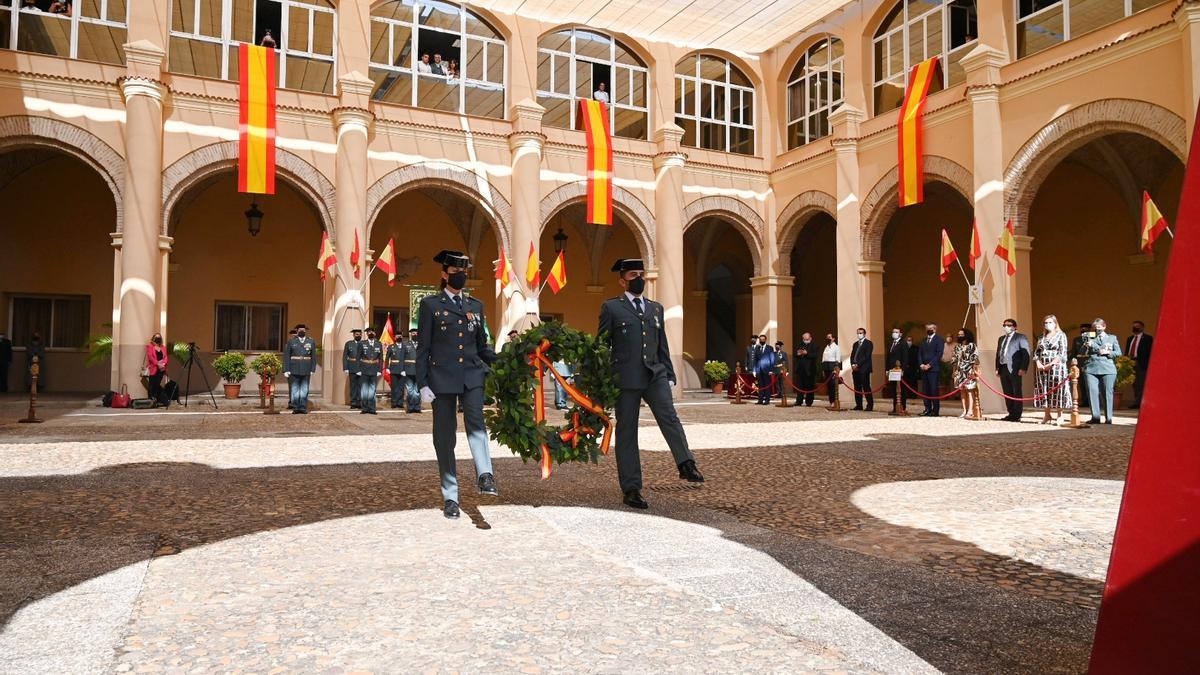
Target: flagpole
963, 270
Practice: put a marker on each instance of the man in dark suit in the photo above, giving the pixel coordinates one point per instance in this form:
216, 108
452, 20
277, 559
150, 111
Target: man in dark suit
929, 363
860, 364
1012, 360
751, 356
781, 365
5, 360
806, 369
897, 354
641, 362
764, 366
1079, 350
1138, 348
453, 359
912, 371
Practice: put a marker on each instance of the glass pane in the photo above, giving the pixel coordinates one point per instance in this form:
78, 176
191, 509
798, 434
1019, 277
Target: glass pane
562, 74
964, 23
484, 101
1088, 15
630, 123
624, 55
71, 318
379, 42
309, 75
402, 45
687, 66
916, 43
5, 28
747, 108
297, 29
795, 101
895, 56
436, 14
266, 324
795, 135
477, 26
881, 62
1027, 7
1040, 32
44, 33
818, 54
323, 33
638, 88
118, 11
689, 97
888, 96
558, 112
712, 136
712, 68
231, 327
894, 19
718, 101
243, 22
474, 60
583, 79
29, 316
98, 42
955, 71
543, 71
689, 131
436, 93
736, 76
1139, 5
88, 8
822, 129
592, 45
835, 95
495, 63
933, 35
182, 16
560, 41
394, 9
391, 87
232, 64
741, 141
836, 49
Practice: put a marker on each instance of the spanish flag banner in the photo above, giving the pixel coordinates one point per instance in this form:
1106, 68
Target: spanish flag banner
387, 263
976, 251
599, 163
948, 256
1153, 223
1006, 250
912, 181
503, 270
326, 257
533, 272
558, 274
256, 119
387, 338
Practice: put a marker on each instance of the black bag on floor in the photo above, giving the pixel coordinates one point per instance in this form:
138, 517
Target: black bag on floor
168, 393
106, 399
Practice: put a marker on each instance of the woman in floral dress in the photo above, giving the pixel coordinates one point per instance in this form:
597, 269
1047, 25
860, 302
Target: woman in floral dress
966, 369
1051, 358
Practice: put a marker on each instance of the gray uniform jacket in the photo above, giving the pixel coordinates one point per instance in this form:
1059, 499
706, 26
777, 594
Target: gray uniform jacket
453, 354
1106, 364
395, 358
639, 343
370, 358
300, 356
350, 355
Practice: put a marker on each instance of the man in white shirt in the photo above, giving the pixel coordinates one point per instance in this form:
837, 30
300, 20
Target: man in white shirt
601, 93
423, 65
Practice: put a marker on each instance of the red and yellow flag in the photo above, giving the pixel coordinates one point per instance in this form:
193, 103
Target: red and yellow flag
503, 270
599, 163
325, 257
387, 338
558, 274
387, 263
912, 181
976, 251
1154, 223
1006, 250
355, 257
948, 256
256, 119
533, 272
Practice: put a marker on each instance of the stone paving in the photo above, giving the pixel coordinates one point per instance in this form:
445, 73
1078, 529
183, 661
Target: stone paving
852, 542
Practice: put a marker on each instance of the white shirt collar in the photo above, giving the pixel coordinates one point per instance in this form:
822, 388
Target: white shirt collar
452, 294
631, 296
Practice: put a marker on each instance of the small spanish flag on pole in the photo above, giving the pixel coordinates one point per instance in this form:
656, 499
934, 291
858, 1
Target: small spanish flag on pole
533, 272
387, 263
976, 251
948, 256
326, 257
355, 257
503, 270
558, 274
599, 163
256, 119
1006, 250
387, 338
1154, 223
912, 180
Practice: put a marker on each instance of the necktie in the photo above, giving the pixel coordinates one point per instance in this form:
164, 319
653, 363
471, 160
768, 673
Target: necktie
1004, 349
458, 303
1133, 352
637, 302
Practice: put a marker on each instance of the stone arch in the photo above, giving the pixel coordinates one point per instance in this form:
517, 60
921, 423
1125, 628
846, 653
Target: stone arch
203, 163
795, 216
756, 78
626, 40
640, 220
743, 218
447, 177
882, 201
23, 131
1074, 129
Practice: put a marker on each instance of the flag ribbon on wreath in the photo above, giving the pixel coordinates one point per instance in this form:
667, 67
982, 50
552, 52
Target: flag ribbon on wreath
541, 364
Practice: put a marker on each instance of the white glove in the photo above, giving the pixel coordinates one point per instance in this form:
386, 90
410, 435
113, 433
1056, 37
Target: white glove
359, 373
346, 372
672, 382
287, 374
427, 395
402, 374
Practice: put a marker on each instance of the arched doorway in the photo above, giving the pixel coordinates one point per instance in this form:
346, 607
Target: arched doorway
813, 265
56, 264
718, 315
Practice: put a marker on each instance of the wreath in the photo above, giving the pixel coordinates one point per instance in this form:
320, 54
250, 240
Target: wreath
516, 383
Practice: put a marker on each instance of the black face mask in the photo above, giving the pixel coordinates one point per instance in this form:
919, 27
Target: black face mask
358, 338
457, 280
930, 332
961, 338
158, 341
301, 333
1137, 330
637, 285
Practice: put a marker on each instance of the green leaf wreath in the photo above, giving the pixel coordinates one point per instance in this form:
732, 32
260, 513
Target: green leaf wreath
512, 382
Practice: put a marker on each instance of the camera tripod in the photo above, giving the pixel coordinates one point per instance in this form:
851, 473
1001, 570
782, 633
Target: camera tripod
187, 387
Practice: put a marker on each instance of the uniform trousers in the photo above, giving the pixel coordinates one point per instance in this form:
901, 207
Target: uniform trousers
298, 392
1100, 385
399, 389
445, 431
657, 395
367, 385
355, 389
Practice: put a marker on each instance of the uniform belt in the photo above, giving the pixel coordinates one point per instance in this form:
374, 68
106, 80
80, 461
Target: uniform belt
371, 361
302, 358
410, 360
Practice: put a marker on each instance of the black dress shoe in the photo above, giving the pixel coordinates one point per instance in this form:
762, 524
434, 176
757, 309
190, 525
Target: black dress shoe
1108, 421
296, 412
451, 509
857, 407
690, 473
634, 499
487, 485
870, 408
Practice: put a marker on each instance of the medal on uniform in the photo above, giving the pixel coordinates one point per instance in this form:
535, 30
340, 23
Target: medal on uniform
470, 316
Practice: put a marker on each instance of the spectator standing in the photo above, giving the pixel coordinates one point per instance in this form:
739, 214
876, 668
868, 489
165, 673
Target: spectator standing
966, 370
1103, 350
1012, 360
860, 364
806, 369
929, 357
156, 366
1138, 348
1051, 359
831, 360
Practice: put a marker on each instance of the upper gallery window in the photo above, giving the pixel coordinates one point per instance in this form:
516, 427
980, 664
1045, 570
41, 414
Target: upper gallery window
814, 90
1045, 23
915, 31
578, 64
92, 30
205, 35
714, 103
437, 55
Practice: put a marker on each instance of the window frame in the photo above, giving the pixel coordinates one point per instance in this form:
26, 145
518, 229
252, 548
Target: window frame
282, 46
12, 7
462, 81
48, 339
727, 89
1065, 5
944, 54
614, 67
247, 325
834, 66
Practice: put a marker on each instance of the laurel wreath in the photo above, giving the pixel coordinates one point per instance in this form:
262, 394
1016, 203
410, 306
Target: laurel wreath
512, 382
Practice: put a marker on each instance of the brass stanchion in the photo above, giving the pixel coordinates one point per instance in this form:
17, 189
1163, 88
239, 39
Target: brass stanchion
976, 403
1074, 375
271, 396
836, 382
783, 402
897, 407
737, 387
34, 369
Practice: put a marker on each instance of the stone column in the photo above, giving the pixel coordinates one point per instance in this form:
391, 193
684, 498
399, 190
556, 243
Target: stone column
138, 315
350, 297
114, 376
983, 65
164, 283
1187, 19
668, 240
871, 274
853, 290
525, 142
772, 295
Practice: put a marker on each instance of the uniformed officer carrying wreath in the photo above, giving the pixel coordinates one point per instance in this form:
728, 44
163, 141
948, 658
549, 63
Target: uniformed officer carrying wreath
641, 363
453, 359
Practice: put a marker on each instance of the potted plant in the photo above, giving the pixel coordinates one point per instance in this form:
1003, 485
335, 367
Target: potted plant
716, 372
1125, 376
232, 368
267, 366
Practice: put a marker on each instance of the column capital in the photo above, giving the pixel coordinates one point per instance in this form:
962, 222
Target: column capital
869, 266
165, 243
772, 280
143, 58
650, 275
142, 86
354, 89
526, 140
1024, 242
353, 118
1187, 13
117, 239
702, 295
668, 136
982, 65
673, 160
527, 116
845, 121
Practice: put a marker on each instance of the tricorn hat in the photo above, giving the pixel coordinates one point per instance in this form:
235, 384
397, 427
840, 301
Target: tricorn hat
301, 325
628, 265
447, 258
356, 330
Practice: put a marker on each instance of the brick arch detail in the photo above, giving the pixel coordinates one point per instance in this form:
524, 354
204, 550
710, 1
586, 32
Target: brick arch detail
743, 218
795, 216
640, 219
882, 202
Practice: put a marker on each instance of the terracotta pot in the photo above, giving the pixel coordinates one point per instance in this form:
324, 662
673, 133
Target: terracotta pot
718, 387
233, 390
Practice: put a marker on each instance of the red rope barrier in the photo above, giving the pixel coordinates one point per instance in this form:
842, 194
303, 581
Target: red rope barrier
863, 393
953, 393
1060, 385
807, 391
